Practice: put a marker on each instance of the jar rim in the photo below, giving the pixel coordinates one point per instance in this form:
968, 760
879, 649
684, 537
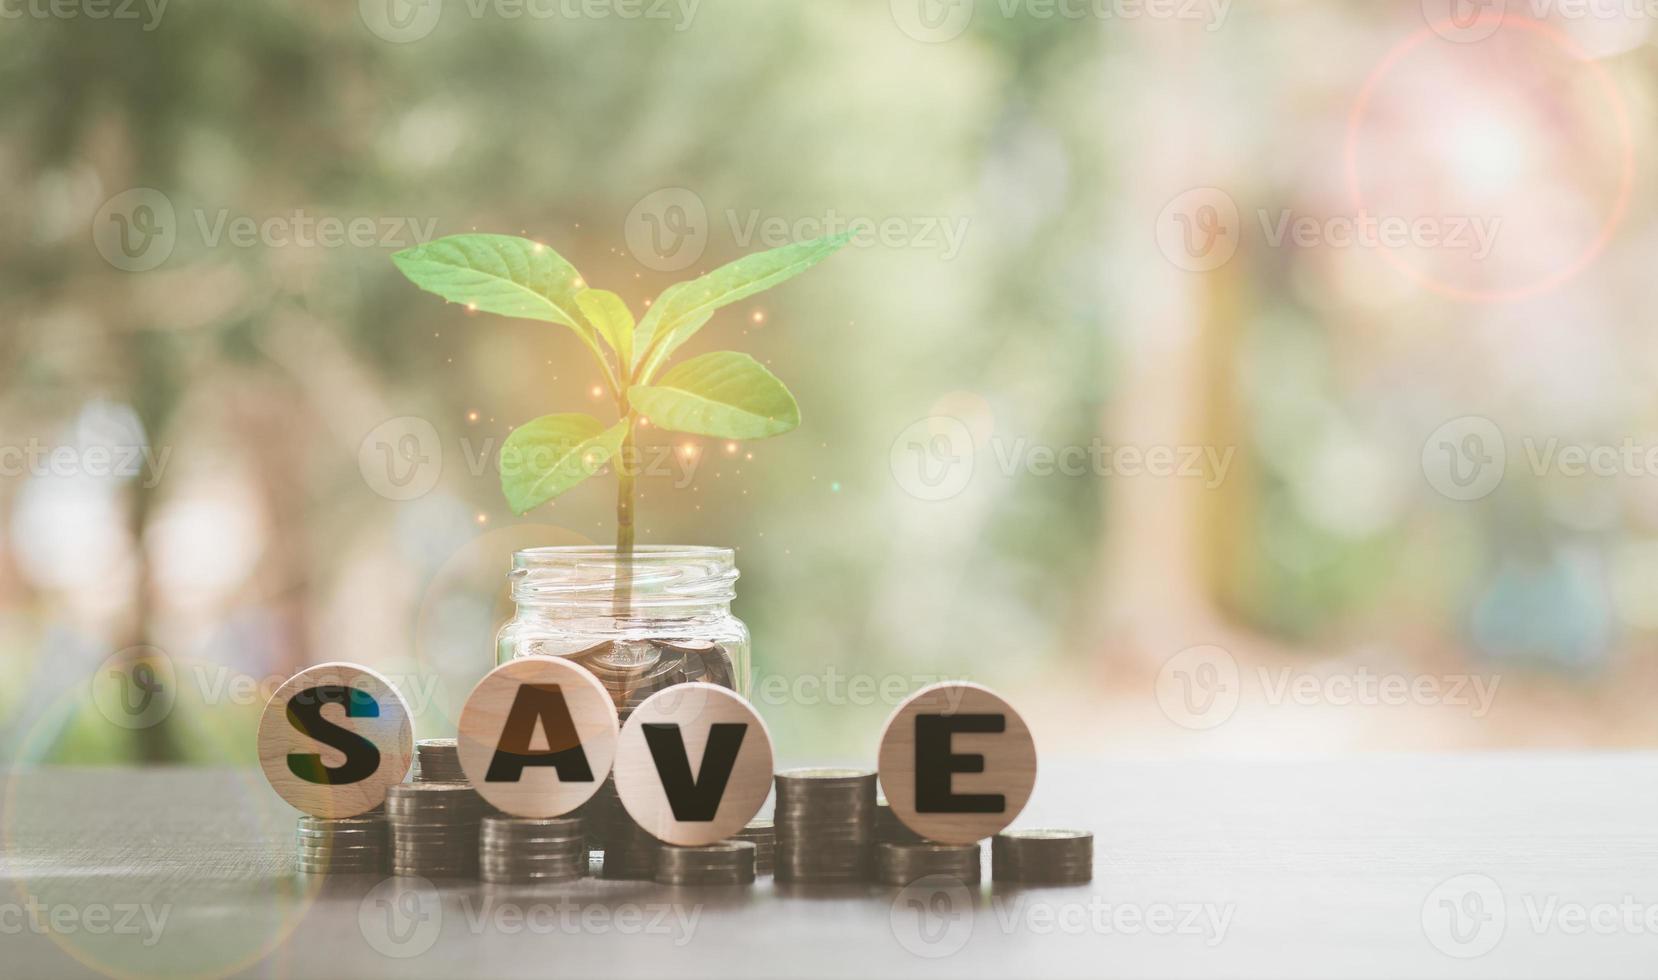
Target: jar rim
658, 576
655, 552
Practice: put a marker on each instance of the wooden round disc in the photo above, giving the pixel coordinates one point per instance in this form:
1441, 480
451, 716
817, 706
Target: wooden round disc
537, 736
706, 752
334, 738
957, 763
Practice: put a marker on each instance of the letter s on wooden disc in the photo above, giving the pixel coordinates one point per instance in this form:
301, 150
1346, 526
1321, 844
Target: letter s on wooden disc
334, 738
957, 763
537, 736
694, 764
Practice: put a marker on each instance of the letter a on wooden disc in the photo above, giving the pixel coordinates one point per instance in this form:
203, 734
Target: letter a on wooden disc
957, 763
694, 764
334, 738
537, 736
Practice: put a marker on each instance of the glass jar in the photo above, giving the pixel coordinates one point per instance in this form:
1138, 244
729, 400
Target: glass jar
674, 623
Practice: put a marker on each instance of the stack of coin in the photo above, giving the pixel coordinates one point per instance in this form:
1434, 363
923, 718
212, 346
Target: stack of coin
825, 825
889, 828
763, 835
438, 761
520, 849
726, 863
629, 850
355, 845
1042, 857
434, 829
900, 864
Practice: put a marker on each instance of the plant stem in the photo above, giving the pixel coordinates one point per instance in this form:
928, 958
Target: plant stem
625, 475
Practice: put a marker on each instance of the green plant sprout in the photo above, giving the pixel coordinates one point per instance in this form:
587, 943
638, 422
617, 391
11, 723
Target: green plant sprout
724, 394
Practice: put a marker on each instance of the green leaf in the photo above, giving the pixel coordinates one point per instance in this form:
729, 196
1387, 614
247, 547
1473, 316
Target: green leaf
611, 318
544, 458
685, 307
723, 394
500, 274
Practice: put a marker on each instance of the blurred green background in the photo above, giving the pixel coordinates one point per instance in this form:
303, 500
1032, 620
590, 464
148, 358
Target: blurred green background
1074, 247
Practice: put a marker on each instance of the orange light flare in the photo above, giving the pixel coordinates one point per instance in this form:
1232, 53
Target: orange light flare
1486, 171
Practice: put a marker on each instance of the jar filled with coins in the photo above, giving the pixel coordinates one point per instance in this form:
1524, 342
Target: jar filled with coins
659, 617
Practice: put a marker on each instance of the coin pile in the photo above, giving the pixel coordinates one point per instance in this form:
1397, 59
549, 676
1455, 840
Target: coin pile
726, 863
1042, 857
900, 864
434, 829
355, 845
633, 670
825, 825
520, 849
438, 760
763, 835
629, 850
889, 828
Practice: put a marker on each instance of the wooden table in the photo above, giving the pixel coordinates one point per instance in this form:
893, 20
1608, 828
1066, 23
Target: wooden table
1512, 865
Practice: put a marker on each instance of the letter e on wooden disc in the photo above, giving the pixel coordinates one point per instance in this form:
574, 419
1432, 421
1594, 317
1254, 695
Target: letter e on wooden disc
334, 738
537, 736
694, 764
957, 763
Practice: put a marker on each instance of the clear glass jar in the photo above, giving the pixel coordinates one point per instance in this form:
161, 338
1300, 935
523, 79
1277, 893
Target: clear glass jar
677, 625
